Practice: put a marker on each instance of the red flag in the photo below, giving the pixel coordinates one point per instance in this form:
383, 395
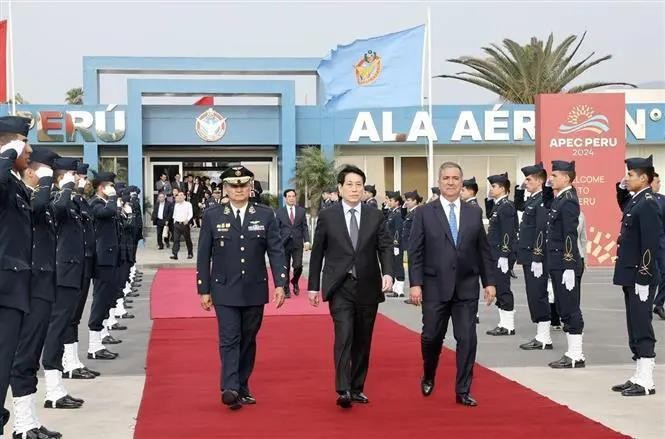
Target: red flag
206, 100
3, 61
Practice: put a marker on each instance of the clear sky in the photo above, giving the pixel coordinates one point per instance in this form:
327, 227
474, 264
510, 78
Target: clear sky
51, 37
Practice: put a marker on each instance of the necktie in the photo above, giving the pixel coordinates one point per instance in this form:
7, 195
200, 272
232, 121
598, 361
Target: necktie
452, 219
291, 216
353, 228
238, 220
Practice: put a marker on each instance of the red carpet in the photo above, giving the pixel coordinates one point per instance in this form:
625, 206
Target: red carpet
293, 383
173, 295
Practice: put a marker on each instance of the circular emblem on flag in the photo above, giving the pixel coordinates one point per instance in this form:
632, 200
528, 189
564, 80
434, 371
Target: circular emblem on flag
368, 68
210, 125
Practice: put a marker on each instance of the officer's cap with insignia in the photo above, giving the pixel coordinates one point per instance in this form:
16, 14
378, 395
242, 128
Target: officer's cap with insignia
562, 165
533, 169
14, 125
65, 164
237, 176
413, 195
639, 163
82, 168
43, 156
498, 178
371, 188
470, 182
102, 177
393, 194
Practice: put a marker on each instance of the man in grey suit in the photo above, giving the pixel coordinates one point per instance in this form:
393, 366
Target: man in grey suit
295, 237
448, 254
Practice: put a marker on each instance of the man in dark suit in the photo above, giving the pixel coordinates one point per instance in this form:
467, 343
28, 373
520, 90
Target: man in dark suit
295, 236
353, 239
15, 244
448, 253
162, 214
235, 239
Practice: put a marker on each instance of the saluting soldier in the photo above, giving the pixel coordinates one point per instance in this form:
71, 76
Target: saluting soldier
469, 191
395, 222
38, 177
502, 236
370, 194
532, 250
235, 238
659, 301
15, 244
69, 266
135, 275
564, 262
636, 270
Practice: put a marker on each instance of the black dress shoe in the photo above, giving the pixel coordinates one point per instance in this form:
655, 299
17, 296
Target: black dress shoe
79, 400
426, 386
466, 400
566, 362
38, 433
78, 374
62, 403
126, 316
499, 331
247, 399
128, 306
391, 294
94, 372
659, 311
102, 354
231, 399
128, 301
535, 345
296, 289
637, 390
359, 397
621, 387
132, 295
344, 400
109, 339
174, 257
118, 327
160, 248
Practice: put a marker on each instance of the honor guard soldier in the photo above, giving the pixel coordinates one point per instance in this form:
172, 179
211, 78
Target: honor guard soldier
235, 239
411, 201
15, 244
636, 270
135, 276
370, 194
659, 301
470, 190
38, 177
502, 236
531, 250
564, 263
395, 222
69, 266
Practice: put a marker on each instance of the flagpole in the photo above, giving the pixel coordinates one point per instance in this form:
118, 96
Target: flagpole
422, 82
430, 141
10, 27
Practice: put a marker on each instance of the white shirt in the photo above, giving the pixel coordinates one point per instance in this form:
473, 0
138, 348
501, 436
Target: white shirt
160, 210
446, 208
243, 209
501, 198
639, 192
182, 212
347, 215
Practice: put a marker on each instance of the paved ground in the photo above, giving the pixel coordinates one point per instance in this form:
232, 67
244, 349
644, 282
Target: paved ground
112, 401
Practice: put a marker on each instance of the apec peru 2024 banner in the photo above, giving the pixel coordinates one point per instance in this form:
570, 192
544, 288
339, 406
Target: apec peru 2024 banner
590, 129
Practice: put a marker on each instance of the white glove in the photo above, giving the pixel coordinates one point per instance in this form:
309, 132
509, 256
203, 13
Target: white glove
622, 184
16, 145
127, 208
396, 250
44, 171
642, 291
537, 269
568, 279
119, 202
82, 183
66, 179
503, 265
109, 191
548, 182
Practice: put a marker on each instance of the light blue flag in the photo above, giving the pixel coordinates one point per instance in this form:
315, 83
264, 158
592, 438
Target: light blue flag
377, 72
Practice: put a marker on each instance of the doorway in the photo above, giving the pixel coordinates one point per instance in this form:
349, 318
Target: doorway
159, 168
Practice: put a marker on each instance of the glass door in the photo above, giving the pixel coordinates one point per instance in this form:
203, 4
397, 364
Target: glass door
170, 169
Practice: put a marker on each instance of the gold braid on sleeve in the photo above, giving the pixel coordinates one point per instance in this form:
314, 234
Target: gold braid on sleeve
646, 261
568, 252
505, 247
538, 249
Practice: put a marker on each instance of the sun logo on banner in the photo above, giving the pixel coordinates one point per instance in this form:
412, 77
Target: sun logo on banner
583, 118
600, 246
368, 69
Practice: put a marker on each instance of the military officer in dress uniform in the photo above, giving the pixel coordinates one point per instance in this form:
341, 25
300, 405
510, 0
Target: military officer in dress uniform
15, 244
502, 236
636, 270
395, 222
531, 250
370, 196
38, 177
469, 191
69, 266
659, 301
564, 262
235, 237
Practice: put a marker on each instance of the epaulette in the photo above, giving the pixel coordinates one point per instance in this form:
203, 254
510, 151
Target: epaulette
648, 196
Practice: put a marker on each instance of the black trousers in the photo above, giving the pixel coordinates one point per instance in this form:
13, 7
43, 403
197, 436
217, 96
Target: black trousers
641, 338
72, 333
354, 325
181, 230
66, 300
29, 350
293, 255
10, 328
398, 266
568, 303
237, 328
536, 295
122, 277
103, 293
160, 239
504, 295
660, 296
435, 324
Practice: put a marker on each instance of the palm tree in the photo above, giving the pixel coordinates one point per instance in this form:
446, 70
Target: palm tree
74, 96
314, 172
518, 73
